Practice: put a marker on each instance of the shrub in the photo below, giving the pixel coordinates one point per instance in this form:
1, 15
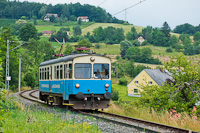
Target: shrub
39, 33
117, 57
115, 95
97, 46
169, 50
123, 81
145, 43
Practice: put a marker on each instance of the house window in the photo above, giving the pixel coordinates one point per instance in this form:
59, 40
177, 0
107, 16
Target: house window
150, 82
135, 90
136, 82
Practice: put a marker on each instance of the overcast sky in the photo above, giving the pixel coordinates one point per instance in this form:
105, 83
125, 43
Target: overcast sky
149, 12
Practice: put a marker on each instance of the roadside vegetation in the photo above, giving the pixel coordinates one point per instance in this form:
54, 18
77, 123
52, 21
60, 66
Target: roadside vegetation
18, 117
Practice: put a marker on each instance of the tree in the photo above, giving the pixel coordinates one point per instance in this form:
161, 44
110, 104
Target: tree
185, 29
166, 29
181, 92
68, 49
197, 36
159, 38
83, 42
133, 53
147, 33
77, 30
30, 78
52, 18
183, 36
79, 21
34, 20
28, 31
6, 34
132, 35
173, 41
124, 45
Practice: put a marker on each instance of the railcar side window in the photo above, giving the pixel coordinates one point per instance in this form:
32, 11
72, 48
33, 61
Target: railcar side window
61, 72
70, 71
40, 74
48, 73
101, 71
82, 71
57, 72
54, 72
45, 73
65, 73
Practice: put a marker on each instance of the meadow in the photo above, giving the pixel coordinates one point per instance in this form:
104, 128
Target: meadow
126, 28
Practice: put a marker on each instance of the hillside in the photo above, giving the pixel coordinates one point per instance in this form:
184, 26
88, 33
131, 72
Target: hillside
126, 28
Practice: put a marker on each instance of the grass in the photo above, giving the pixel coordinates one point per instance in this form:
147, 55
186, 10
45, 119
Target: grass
7, 22
122, 92
186, 121
108, 49
29, 119
49, 26
126, 28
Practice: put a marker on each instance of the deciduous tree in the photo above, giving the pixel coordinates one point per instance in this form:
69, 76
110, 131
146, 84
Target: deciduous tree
28, 31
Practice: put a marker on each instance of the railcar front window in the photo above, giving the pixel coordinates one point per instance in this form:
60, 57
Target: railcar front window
82, 71
101, 71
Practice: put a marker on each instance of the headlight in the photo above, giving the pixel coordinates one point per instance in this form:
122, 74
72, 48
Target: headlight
77, 85
106, 85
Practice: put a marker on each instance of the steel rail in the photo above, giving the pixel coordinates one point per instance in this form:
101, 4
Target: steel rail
131, 119
149, 123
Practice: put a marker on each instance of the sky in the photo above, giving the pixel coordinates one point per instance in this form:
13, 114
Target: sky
149, 12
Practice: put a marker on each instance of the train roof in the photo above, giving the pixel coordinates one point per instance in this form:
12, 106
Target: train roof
67, 58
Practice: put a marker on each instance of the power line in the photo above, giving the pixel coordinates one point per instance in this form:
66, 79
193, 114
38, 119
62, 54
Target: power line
102, 2
129, 7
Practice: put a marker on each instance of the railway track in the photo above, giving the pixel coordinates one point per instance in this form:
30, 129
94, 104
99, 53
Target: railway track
139, 124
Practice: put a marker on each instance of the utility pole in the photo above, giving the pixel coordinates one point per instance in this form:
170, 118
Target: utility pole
8, 78
125, 16
7, 68
20, 56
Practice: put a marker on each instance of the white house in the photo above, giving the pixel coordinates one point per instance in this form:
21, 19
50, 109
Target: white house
48, 15
83, 18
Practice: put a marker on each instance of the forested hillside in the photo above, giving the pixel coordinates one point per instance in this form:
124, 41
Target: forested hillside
15, 10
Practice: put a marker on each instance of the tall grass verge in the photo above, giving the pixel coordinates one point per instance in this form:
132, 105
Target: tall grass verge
164, 117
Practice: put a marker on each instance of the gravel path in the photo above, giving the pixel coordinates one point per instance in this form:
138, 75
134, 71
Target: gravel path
104, 126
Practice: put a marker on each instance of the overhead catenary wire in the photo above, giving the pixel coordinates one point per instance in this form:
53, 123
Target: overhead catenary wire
130, 7
102, 2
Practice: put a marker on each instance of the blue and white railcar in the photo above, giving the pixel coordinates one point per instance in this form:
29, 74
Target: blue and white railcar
82, 81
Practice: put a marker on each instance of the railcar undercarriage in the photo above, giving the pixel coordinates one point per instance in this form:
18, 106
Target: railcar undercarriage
78, 101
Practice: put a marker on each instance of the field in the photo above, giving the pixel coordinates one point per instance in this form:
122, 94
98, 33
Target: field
126, 28
7, 22
122, 92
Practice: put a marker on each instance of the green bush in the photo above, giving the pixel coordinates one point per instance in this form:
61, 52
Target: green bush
169, 50
97, 46
115, 95
123, 81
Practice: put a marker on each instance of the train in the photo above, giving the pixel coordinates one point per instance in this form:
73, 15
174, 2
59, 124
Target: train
80, 81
